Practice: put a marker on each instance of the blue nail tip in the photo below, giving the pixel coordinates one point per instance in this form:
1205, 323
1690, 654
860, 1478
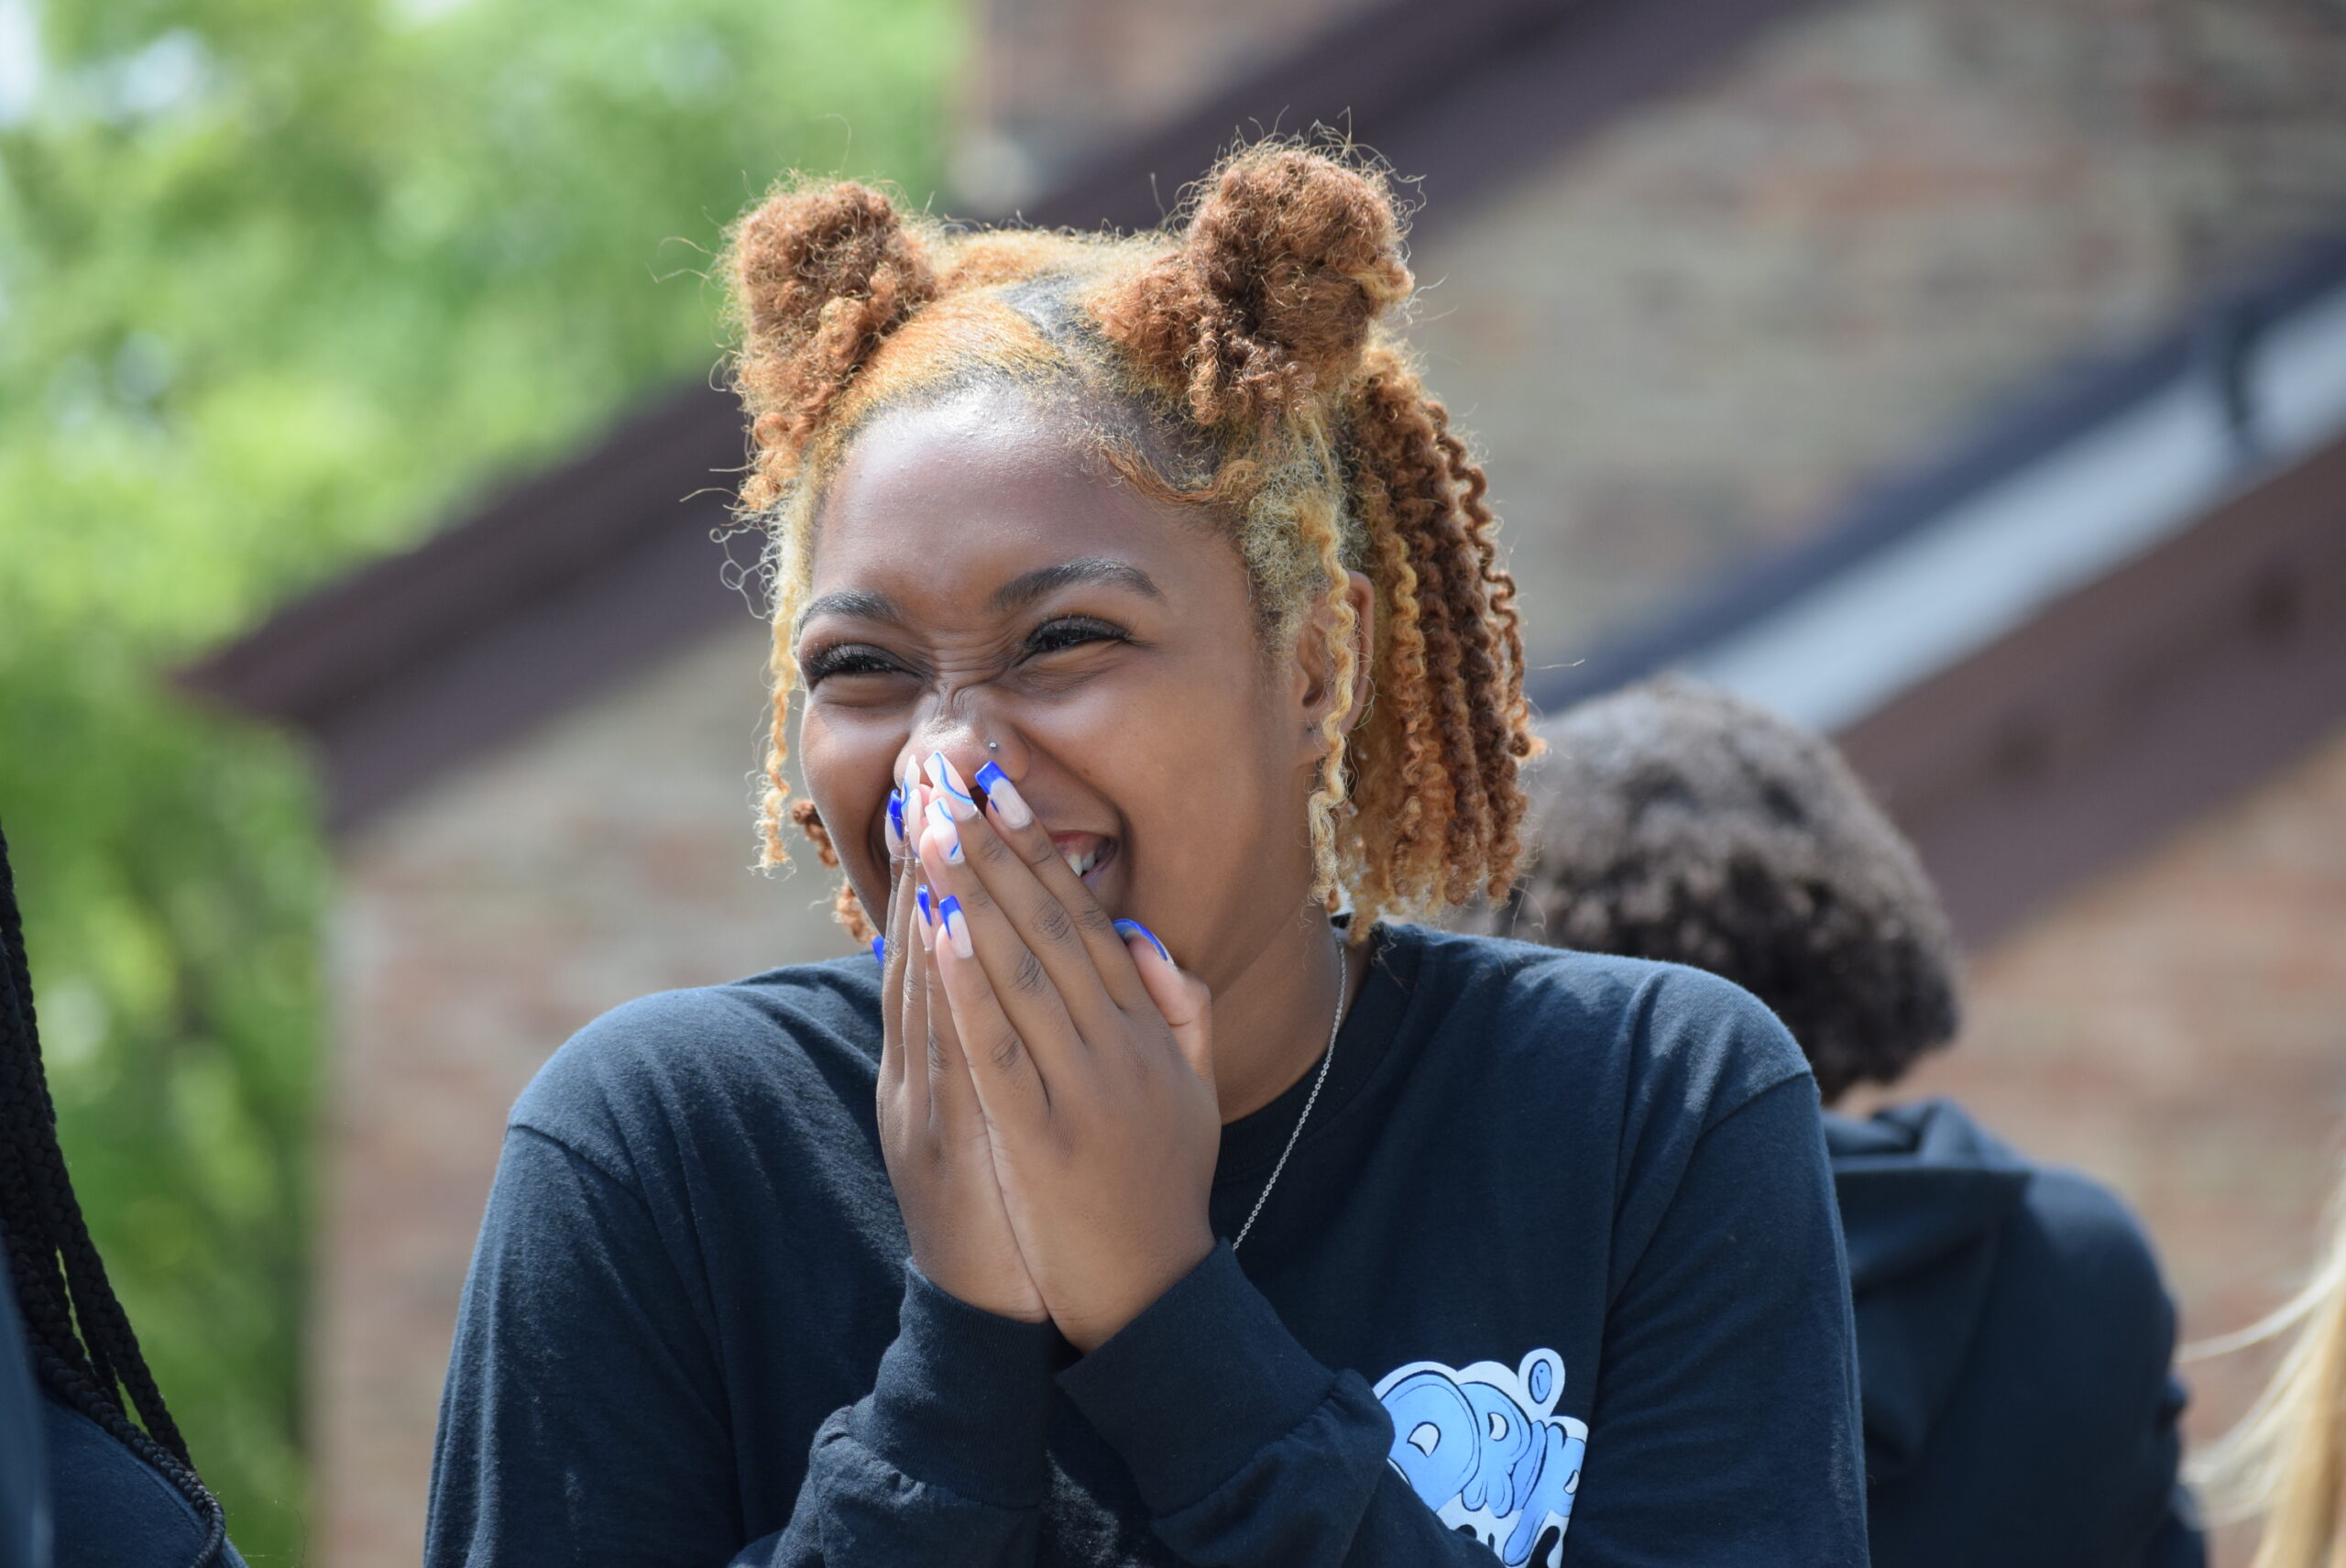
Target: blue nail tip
990, 775
1128, 929
950, 908
880, 949
896, 811
920, 896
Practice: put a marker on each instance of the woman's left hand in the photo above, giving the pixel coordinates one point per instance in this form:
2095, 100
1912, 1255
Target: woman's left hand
1091, 1058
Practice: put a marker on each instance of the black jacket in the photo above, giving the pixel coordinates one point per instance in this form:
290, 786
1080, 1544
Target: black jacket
2013, 1350
1556, 1250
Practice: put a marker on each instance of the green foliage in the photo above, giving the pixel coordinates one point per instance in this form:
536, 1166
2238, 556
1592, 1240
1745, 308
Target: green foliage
281, 282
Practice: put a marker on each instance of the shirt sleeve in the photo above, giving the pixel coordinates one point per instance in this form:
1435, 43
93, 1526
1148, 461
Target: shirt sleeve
1248, 1451
1726, 1427
585, 1421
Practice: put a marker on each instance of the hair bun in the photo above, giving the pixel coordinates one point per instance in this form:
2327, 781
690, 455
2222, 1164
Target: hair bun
818, 278
1287, 262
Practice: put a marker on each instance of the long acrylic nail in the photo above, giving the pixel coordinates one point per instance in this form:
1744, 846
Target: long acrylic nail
1128, 929
1004, 797
957, 799
896, 821
928, 918
957, 926
880, 949
945, 829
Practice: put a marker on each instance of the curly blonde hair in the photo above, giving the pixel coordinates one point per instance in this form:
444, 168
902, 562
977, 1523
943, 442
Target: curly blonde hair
1246, 364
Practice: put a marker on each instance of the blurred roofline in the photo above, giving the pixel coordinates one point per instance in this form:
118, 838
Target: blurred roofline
1544, 74
410, 663
2212, 347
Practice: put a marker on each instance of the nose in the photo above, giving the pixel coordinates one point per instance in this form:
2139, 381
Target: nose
969, 741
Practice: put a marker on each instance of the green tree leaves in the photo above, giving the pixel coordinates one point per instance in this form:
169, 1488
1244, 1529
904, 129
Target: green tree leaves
282, 284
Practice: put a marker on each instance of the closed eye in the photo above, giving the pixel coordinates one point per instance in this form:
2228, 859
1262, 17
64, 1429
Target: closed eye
1073, 631
844, 659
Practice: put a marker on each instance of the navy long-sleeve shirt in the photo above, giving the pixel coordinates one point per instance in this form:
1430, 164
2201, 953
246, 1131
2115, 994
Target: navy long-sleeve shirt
1553, 1277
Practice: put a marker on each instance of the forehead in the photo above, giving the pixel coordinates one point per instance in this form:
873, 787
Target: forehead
961, 493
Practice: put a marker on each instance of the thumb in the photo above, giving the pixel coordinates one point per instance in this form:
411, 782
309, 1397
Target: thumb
1185, 1003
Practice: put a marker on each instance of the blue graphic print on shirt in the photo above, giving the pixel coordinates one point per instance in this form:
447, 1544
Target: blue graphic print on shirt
1481, 1447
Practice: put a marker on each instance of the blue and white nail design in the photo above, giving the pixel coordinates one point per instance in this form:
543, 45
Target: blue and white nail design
942, 774
1128, 929
957, 926
896, 821
947, 832
880, 950
928, 919
1004, 797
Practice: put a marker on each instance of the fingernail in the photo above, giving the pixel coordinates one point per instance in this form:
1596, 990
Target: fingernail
896, 821
957, 793
1128, 929
880, 949
942, 825
927, 918
1005, 795
957, 926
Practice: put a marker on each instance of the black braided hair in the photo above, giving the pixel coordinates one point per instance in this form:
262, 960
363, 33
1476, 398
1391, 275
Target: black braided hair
83, 1346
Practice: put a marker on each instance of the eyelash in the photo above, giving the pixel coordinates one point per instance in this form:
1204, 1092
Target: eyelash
1051, 637
1072, 632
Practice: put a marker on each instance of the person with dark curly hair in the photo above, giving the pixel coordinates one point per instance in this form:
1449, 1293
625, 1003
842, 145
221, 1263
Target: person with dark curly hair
2014, 1340
1152, 1192
120, 1490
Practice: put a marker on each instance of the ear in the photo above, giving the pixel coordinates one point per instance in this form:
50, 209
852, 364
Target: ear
1314, 671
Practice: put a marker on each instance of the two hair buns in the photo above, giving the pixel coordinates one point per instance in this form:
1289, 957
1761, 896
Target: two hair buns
1288, 259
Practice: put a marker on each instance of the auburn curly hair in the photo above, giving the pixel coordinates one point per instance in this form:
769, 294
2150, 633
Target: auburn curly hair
1675, 821
1245, 365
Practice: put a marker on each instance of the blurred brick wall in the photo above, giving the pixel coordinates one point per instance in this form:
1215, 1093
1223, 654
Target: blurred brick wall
477, 926
1053, 82
1696, 334
2178, 1030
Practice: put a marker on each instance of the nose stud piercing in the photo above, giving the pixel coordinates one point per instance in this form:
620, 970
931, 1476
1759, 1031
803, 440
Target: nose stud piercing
994, 745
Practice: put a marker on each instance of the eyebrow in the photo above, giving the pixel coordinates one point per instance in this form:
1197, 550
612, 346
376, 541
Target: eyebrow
1043, 581
1016, 594
861, 603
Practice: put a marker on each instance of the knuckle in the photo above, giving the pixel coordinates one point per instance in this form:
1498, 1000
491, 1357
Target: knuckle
1053, 922
1005, 1051
1028, 976
1093, 920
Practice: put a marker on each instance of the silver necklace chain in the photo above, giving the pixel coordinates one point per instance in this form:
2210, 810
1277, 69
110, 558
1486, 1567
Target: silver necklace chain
1327, 1058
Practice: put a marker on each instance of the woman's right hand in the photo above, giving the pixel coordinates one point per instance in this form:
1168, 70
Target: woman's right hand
932, 1133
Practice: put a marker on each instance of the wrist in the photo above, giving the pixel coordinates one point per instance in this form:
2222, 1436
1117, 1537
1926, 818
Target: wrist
962, 1397
984, 1284
1094, 1325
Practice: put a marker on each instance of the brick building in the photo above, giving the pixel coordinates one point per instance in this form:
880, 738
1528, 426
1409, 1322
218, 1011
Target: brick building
1746, 299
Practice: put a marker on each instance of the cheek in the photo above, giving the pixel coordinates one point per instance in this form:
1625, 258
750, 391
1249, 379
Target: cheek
847, 769
1197, 771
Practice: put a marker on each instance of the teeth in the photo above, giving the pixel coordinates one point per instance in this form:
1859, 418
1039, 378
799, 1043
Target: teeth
1080, 864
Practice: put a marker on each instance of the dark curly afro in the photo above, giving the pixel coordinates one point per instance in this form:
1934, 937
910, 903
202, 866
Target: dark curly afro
1671, 820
